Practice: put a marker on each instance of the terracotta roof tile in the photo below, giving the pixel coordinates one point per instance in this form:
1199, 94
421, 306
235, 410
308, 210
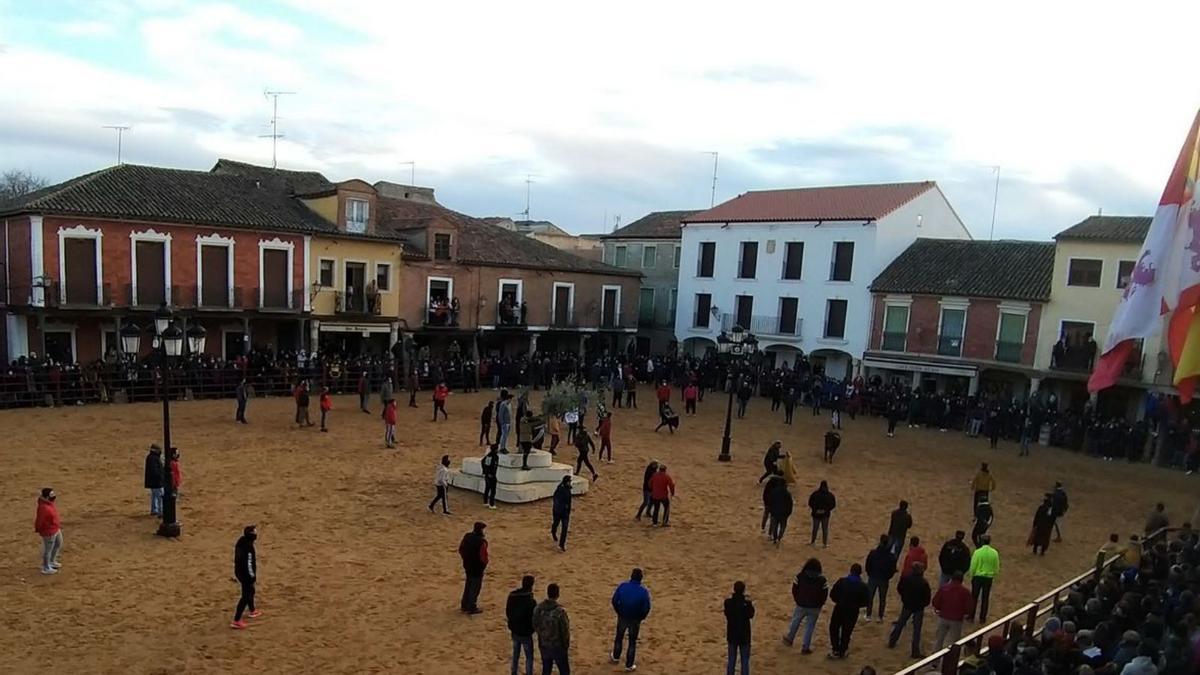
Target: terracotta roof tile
1012, 270
1109, 228
843, 202
656, 225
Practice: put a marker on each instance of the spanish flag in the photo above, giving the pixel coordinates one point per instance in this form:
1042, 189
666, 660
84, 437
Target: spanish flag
1165, 282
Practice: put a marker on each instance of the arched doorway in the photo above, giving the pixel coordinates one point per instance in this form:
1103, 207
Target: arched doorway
698, 346
835, 363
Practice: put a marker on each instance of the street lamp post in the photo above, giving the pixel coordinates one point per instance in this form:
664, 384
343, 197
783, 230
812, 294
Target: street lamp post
737, 345
168, 346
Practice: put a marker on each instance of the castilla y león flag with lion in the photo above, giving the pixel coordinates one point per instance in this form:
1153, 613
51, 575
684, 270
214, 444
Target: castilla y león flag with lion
1165, 282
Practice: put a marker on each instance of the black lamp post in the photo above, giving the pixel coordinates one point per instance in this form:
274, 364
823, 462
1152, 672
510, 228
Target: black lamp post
168, 346
738, 345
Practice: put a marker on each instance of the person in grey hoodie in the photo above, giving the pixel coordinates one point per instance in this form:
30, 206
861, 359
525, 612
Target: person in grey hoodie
504, 417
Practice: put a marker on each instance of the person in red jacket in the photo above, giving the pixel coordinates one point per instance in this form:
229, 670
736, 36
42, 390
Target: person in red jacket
326, 406
916, 554
440, 392
176, 473
952, 603
389, 423
604, 429
690, 394
664, 394
662, 488
49, 526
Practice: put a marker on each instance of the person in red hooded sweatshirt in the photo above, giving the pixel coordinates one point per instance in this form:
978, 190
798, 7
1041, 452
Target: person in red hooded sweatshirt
176, 474
326, 406
662, 488
389, 423
49, 526
664, 394
690, 394
604, 430
440, 392
916, 554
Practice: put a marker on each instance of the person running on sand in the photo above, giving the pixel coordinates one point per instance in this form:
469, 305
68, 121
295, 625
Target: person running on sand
326, 404
489, 464
583, 443
984, 517
809, 591
832, 440
561, 512
604, 431
651, 469
982, 484
881, 567
771, 461
485, 423
822, 503
440, 393
1061, 506
668, 418
245, 572
441, 480
915, 595
898, 527
555, 432
48, 524
389, 423
662, 489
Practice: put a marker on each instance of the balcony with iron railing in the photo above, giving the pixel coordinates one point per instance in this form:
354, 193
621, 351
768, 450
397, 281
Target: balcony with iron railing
510, 316
950, 345
621, 323
894, 342
153, 296
1009, 352
355, 304
90, 297
276, 300
439, 315
762, 325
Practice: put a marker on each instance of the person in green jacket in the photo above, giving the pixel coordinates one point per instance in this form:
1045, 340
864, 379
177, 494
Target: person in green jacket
553, 629
985, 566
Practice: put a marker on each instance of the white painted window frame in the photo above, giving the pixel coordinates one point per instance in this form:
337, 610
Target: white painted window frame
554, 300
695, 306
604, 289
955, 303
429, 286
391, 277
617, 249
277, 244
80, 232
676, 256
1117, 273
73, 331
1067, 280
649, 247
214, 239
366, 212
150, 235
332, 282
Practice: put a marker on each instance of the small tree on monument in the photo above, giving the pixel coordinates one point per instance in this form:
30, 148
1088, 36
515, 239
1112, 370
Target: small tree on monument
566, 396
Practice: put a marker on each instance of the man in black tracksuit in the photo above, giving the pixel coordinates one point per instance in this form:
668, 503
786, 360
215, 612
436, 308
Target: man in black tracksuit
519, 612
881, 567
954, 557
562, 512
245, 571
849, 595
489, 464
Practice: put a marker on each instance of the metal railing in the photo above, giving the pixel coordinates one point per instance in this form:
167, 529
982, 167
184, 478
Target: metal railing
72, 299
950, 345
509, 316
143, 297
894, 342
355, 304
759, 324
1009, 352
276, 301
439, 315
948, 659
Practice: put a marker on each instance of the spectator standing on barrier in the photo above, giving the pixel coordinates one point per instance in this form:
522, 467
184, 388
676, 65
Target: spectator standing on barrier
364, 391
154, 479
631, 602
914, 598
48, 524
985, 567
739, 613
242, 393
809, 592
881, 567
326, 404
485, 423
821, 503
952, 604
389, 424
849, 596
504, 418
1061, 506
474, 553
955, 556
519, 612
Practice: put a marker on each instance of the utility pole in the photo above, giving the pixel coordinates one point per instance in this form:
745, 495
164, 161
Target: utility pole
712, 201
274, 135
120, 129
412, 174
995, 202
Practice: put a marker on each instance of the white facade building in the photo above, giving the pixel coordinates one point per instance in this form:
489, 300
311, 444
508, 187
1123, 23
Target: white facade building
794, 267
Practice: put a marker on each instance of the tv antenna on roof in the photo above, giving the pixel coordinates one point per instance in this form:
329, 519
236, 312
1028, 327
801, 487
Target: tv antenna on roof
120, 129
412, 173
274, 135
712, 200
528, 182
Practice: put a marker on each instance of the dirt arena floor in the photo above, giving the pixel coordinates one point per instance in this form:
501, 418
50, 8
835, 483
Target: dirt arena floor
358, 577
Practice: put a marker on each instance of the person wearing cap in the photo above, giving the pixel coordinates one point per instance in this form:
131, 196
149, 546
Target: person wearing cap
474, 553
48, 524
245, 572
154, 479
561, 512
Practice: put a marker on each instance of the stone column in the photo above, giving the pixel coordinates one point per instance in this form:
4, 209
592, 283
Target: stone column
393, 333
533, 340
916, 380
314, 335
582, 349
973, 385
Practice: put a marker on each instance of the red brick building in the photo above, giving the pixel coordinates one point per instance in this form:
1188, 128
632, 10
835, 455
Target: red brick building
82, 257
961, 315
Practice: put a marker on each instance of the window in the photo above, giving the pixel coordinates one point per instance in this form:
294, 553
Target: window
743, 311
383, 276
674, 299
748, 261
1010, 338
895, 328
649, 257
950, 336
843, 261
441, 247
620, 255
1085, 272
1125, 272
707, 260
788, 308
325, 273
357, 211
793, 259
646, 307
703, 309
835, 319
676, 254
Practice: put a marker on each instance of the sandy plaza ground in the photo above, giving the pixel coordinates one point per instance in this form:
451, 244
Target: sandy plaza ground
357, 576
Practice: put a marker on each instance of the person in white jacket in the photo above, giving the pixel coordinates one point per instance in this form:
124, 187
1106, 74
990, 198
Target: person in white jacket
441, 481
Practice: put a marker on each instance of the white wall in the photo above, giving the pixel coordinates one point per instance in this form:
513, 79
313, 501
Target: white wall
875, 246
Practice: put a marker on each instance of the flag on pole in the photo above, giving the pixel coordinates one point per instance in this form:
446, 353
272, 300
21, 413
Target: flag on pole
1165, 280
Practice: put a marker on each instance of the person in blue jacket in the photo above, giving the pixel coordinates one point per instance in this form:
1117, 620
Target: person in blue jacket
631, 602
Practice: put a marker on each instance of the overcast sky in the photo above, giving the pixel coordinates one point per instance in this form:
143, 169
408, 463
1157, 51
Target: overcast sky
615, 109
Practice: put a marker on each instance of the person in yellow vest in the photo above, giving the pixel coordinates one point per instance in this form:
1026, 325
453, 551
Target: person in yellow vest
983, 483
985, 566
